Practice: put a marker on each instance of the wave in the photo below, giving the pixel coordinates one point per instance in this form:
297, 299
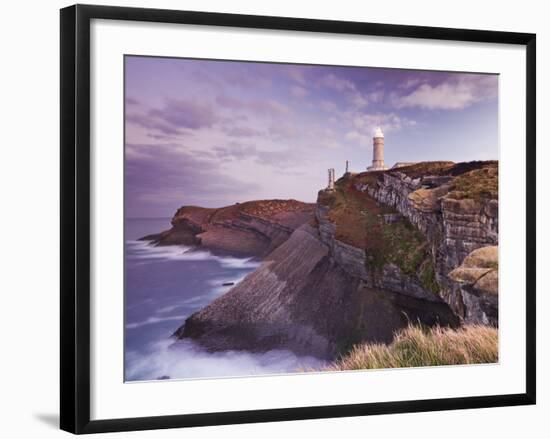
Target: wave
156, 355
153, 320
144, 250
186, 359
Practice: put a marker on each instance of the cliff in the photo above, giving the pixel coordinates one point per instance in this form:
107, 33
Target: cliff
378, 255
300, 298
254, 228
455, 206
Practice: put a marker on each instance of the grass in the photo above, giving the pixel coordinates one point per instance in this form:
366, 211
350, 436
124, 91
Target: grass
479, 184
417, 346
359, 218
359, 222
399, 243
427, 276
426, 168
351, 212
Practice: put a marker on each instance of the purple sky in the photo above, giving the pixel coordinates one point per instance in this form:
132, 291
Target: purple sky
213, 133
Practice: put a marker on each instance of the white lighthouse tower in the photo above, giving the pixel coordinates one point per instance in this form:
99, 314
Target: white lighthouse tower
377, 151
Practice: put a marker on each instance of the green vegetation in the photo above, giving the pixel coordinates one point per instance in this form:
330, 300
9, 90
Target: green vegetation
351, 211
427, 277
478, 184
399, 243
359, 221
417, 346
426, 168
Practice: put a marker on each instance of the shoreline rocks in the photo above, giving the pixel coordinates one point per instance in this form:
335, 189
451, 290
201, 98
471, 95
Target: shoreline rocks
318, 295
254, 228
301, 299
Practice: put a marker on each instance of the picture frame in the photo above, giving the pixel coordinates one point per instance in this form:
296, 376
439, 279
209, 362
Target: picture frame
76, 390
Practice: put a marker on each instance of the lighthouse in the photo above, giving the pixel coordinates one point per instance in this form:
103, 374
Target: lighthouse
377, 151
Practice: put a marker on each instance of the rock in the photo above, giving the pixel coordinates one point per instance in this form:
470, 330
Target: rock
254, 228
454, 224
352, 260
391, 218
477, 282
314, 293
488, 284
484, 257
468, 275
428, 200
302, 299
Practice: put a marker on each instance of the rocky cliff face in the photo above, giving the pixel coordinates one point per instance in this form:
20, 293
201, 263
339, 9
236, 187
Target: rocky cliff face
477, 279
385, 248
301, 299
352, 260
254, 228
456, 208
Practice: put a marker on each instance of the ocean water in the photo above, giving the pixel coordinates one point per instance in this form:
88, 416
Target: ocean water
163, 286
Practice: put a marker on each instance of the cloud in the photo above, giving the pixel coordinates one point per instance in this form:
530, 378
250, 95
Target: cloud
376, 96
265, 107
358, 100
202, 75
329, 143
298, 91
387, 121
337, 83
169, 175
278, 159
183, 113
354, 96
365, 124
362, 139
131, 101
410, 83
296, 73
163, 137
246, 78
241, 131
153, 123
235, 151
283, 130
452, 94
174, 118
328, 106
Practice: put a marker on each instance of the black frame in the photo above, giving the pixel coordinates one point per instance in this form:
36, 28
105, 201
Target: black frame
75, 217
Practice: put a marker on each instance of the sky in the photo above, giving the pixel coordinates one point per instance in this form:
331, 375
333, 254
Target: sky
213, 133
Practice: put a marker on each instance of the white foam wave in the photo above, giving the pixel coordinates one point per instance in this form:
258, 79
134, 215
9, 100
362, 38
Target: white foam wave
185, 359
194, 302
153, 320
144, 250
168, 309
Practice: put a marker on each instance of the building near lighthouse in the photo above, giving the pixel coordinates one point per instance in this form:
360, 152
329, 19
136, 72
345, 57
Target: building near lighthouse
378, 151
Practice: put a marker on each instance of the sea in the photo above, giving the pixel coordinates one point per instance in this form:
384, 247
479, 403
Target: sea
165, 285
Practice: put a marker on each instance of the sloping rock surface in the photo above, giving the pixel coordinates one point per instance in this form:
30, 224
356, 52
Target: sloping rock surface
254, 228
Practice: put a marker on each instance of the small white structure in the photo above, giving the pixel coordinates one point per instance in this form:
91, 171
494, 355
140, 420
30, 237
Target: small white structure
377, 151
331, 179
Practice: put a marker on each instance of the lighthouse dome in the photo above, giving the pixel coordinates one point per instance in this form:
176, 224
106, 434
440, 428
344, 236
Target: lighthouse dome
378, 132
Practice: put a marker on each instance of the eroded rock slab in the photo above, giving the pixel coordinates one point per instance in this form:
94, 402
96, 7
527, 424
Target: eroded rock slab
254, 228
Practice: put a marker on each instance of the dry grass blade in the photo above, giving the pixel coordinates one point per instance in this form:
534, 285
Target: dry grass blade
416, 347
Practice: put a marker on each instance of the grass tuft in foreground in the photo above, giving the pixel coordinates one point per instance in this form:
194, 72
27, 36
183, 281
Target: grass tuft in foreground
417, 346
